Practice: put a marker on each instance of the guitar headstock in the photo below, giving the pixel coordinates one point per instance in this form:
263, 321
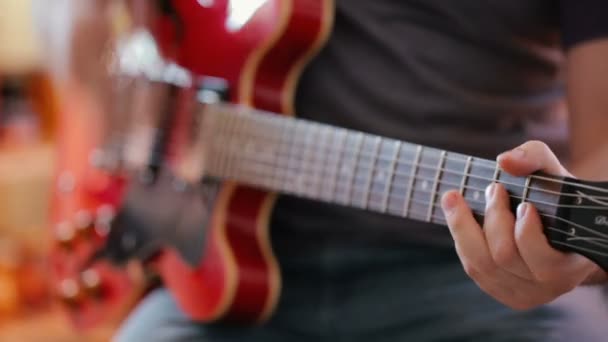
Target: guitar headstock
581, 221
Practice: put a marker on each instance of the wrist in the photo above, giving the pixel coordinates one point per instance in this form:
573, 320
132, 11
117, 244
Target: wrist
597, 276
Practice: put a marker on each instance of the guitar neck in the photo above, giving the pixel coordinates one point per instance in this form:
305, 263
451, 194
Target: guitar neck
356, 169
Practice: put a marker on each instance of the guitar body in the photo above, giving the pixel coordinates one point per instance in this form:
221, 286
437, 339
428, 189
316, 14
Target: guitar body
261, 54
83, 198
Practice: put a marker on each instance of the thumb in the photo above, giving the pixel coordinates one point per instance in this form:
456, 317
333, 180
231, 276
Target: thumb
530, 157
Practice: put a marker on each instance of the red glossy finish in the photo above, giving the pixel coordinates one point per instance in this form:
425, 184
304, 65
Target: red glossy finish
242, 225
260, 54
261, 61
199, 291
207, 47
271, 88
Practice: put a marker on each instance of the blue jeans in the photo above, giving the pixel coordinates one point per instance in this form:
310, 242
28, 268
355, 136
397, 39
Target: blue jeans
360, 293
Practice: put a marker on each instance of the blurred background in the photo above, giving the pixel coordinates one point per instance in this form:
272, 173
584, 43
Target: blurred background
29, 305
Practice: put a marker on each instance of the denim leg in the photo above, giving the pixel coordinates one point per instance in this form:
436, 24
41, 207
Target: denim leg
158, 319
359, 294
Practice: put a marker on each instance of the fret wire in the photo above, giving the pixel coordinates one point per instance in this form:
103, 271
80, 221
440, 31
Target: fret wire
311, 133
527, 186
484, 164
417, 177
252, 115
496, 173
290, 172
413, 201
410, 190
320, 158
436, 183
247, 126
526, 189
213, 158
419, 214
467, 169
248, 172
236, 126
373, 165
443, 170
218, 162
293, 158
273, 130
278, 117
325, 164
283, 143
477, 189
390, 177
338, 166
302, 165
477, 213
470, 175
360, 137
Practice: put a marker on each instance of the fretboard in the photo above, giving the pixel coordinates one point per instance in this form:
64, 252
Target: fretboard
356, 169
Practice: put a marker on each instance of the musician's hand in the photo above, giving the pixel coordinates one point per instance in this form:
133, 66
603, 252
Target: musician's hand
510, 258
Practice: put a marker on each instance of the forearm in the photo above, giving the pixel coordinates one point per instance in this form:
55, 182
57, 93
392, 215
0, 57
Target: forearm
587, 86
598, 276
593, 165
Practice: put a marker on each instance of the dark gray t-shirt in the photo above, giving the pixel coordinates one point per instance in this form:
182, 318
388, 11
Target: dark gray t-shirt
472, 76
477, 77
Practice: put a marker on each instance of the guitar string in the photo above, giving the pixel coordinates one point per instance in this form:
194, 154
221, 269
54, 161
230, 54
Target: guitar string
443, 169
533, 176
368, 170
256, 114
253, 115
441, 219
459, 158
450, 158
412, 213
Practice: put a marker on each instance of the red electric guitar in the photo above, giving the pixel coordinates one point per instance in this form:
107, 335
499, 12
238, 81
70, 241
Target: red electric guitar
258, 47
251, 53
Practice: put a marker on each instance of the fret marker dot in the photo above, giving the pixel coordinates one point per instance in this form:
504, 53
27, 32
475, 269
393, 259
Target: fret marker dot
425, 185
345, 170
380, 176
476, 195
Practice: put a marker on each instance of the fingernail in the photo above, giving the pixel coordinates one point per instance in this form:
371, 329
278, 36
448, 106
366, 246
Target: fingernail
490, 192
521, 210
449, 203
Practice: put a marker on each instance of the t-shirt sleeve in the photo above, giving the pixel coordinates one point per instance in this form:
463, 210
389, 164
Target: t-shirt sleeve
583, 20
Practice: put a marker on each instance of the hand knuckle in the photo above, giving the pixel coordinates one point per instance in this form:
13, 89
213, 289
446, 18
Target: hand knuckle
504, 254
478, 270
521, 235
547, 276
471, 270
537, 144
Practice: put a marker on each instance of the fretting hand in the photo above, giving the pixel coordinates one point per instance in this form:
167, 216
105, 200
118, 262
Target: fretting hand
510, 257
